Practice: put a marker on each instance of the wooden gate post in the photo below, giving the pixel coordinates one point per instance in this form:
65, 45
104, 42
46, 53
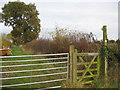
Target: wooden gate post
105, 47
98, 66
75, 66
71, 51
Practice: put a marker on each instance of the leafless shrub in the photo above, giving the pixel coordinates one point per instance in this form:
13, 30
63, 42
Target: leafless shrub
61, 39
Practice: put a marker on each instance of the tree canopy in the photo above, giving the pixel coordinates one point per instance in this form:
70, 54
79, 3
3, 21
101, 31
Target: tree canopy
24, 21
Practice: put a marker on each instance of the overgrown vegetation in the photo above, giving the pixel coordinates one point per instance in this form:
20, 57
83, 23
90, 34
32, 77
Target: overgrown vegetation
113, 56
61, 39
112, 80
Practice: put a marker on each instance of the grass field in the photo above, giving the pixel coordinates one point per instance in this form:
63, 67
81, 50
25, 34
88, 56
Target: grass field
18, 51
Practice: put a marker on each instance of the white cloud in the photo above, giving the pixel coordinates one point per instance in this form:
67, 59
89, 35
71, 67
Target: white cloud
84, 16
72, 0
89, 17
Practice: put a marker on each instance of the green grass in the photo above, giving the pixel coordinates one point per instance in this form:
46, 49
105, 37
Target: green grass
18, 51
101, 83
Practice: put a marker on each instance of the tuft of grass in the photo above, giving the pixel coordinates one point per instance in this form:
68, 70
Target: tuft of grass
77, 84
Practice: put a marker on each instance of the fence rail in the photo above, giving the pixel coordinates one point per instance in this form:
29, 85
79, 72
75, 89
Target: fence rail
35, 60
34, 64
42, 55
33, 83
33, 76
33, 70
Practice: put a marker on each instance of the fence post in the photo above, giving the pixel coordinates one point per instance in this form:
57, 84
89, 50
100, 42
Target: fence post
75, 66
71, 51
105, 47
98, 66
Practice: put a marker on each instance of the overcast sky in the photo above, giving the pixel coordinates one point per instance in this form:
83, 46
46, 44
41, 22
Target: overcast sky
82, 15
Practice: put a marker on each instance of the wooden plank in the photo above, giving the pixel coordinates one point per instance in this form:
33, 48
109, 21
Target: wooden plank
88, 82
93, 54
88, 54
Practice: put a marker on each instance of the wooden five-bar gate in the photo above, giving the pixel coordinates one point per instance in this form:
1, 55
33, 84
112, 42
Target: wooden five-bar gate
84, 67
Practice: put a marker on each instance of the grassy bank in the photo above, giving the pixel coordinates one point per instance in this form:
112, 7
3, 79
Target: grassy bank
16, 50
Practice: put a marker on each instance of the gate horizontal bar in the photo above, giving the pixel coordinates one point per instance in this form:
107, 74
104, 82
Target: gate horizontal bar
35, 55
81, 63
78, 71
35, 60
88, 54
87, 76
33, 70
33, 76
87, 82
33, 64
33, 83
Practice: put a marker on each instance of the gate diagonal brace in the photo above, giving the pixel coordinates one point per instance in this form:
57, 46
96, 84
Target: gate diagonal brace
88, 68
85, 64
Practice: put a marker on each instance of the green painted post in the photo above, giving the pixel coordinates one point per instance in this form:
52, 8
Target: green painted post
75, 66
105, 45
71, 51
